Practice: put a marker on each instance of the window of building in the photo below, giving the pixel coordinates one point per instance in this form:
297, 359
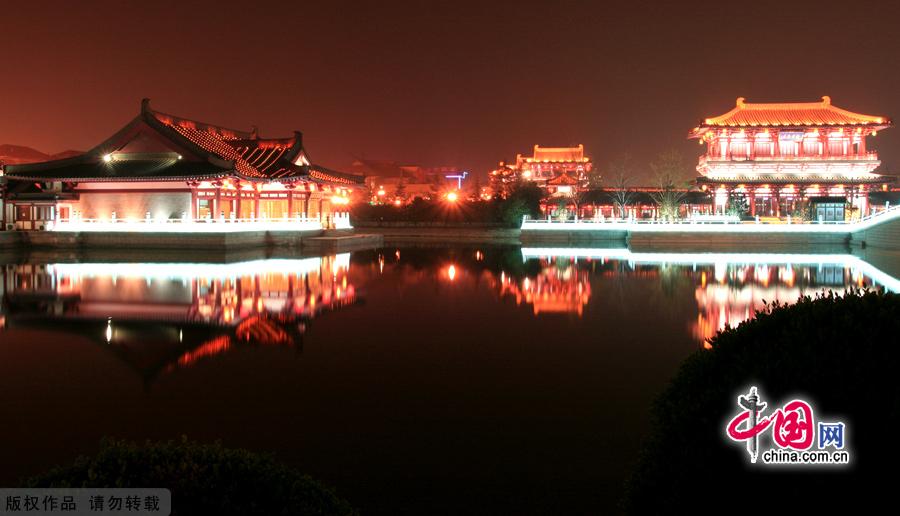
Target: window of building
23, 212
204, 207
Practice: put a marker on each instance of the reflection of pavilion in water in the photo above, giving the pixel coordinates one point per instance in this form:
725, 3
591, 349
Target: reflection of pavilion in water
161, 316
730, 288
729, 294
560, 287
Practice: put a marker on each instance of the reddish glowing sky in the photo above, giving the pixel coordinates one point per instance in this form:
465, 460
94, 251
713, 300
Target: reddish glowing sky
458, 83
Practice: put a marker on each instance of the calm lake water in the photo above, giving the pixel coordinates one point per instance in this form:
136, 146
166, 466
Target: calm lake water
416, 381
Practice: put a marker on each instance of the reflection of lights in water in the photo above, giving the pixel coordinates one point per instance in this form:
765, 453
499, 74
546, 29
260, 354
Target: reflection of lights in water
720, 269
204, 271
787, 275
877, 276
214, 294
397, 254
553, 290
451, 272
479, 256
743, 281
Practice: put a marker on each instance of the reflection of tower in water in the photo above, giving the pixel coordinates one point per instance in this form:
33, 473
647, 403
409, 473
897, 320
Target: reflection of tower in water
560, 287
729, 294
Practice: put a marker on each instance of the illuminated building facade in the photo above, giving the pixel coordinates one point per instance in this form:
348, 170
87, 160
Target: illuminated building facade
559, 170
781, 159
161, 168
396, 182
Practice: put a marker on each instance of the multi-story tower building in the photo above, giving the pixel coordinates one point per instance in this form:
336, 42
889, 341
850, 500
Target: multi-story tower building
784, 158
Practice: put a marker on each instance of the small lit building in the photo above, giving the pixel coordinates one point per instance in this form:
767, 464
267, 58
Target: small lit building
392, 181
547, 167
807, 159
161, 168
641, 203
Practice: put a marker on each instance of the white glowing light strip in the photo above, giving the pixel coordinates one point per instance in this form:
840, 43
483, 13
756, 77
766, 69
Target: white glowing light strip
197, 270
201, 226
846, 260
699, 227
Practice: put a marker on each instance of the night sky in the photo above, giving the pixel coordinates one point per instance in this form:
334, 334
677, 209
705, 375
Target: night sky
455, 83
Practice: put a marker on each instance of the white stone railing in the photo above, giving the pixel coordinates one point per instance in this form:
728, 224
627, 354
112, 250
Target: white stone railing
186, 225
709, 224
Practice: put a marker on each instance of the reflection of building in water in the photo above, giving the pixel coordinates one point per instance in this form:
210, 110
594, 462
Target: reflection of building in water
160, 316
729, 294
559, 288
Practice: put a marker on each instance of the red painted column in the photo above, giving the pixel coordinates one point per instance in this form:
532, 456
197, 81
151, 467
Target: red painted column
216, 200
290, 199
751, 141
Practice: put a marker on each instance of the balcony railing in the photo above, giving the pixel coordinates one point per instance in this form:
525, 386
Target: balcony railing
866, 156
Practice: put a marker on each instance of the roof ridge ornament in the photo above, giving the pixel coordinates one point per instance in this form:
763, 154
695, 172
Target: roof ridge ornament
145, 105
740, 102
826, 100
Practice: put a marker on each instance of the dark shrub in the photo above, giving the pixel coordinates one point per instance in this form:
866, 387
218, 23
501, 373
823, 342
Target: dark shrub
841, 353
203, 478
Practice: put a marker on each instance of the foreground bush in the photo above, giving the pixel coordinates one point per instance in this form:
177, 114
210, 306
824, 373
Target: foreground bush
841, 353
204, 479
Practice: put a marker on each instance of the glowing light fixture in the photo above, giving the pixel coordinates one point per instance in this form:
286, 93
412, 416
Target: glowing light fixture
452, 197
107, 157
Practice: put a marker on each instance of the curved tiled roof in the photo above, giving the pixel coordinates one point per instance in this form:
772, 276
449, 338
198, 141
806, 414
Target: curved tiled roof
562, 180
129, 170
211, 151
331, 176
790, 114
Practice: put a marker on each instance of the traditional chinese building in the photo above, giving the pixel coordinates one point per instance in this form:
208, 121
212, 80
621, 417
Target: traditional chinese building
163, 168
548, 167
392, 181
791, 159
